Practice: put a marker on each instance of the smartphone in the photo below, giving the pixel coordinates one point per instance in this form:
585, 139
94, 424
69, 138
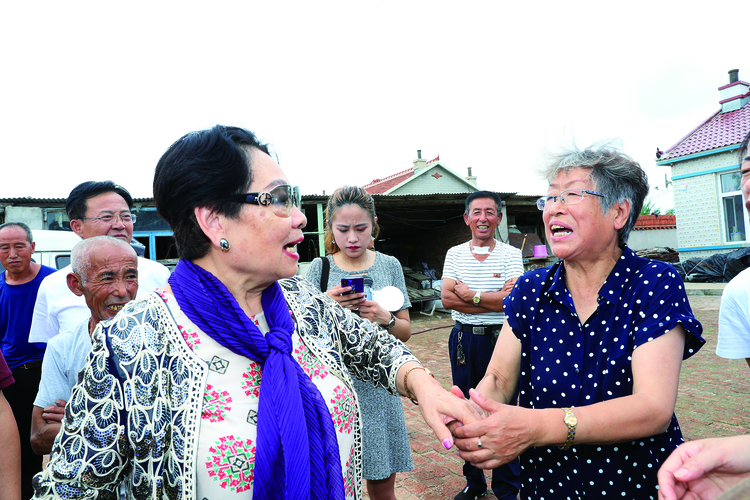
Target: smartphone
357, 284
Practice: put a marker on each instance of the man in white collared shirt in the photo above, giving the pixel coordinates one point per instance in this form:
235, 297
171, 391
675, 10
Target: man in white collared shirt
94, 209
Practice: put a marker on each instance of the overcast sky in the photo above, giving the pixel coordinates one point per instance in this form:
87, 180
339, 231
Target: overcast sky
347, 91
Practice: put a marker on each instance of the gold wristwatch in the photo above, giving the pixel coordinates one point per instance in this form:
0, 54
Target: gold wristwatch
477, 298
571, 421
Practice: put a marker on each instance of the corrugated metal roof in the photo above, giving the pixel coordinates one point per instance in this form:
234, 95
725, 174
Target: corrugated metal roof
28, 199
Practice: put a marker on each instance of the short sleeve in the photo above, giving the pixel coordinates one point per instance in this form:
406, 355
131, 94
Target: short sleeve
514, 263
43, 325
52, 385
734, 323
661, 305
517, 299
313, 272
397, 280
450, 268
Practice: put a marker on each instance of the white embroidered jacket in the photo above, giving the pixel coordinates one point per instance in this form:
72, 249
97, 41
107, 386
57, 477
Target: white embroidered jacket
135, 412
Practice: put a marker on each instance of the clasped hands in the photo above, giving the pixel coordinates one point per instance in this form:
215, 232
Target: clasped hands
496, 435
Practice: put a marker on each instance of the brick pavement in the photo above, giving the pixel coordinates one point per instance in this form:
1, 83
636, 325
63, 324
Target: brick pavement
712, 401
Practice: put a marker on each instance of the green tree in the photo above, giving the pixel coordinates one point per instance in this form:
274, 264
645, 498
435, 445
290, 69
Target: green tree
650, 209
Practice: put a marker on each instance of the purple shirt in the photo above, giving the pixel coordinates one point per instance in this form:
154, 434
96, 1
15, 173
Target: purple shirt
6, 377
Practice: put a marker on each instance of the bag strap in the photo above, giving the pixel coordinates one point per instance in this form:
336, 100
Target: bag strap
324, 274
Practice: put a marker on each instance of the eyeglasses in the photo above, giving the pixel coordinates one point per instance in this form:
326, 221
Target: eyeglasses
112, 218
571, 197
281, 199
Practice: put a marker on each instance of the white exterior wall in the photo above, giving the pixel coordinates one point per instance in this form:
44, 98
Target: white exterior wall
31, 216
697, 199
427, 184
697, 222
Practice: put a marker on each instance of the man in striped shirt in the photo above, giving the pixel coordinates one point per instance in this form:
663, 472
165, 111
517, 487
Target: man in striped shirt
477, 276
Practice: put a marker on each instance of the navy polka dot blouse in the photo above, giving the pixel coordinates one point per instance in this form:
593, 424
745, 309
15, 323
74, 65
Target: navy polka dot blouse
566, 364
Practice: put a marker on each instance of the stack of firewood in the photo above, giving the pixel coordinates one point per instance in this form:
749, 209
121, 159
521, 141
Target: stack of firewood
664, 254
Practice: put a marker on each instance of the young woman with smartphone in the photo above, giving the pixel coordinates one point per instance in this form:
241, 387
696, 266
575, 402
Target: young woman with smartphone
351, 227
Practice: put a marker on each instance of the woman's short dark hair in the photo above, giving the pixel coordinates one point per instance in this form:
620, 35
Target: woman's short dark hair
614, 174
348, 195
76, 204
203, 169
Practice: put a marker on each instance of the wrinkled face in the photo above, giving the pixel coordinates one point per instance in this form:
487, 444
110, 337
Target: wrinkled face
15, 250
263, 244
745, 183
352, 230
576, 230
112, 280
482, 218
102, 205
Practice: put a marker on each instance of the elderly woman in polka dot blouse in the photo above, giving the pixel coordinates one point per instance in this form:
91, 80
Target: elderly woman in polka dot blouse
593, 343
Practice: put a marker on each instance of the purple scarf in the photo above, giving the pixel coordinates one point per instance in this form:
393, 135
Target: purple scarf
297, 452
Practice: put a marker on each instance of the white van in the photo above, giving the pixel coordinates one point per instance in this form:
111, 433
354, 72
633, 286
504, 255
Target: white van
52, 247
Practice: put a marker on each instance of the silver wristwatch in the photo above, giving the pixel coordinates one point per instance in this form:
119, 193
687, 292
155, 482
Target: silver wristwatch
391, 323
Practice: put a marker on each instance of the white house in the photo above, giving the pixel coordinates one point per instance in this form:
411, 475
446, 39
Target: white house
706, 177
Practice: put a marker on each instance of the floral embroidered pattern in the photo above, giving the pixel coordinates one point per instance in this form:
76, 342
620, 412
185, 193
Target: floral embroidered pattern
251, 380
342, 412
349, 476
190, 336
335, 336
232, 462
308, 362
215, 404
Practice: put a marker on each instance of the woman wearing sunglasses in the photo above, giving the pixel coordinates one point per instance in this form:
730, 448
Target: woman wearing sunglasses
236, 379
593, 343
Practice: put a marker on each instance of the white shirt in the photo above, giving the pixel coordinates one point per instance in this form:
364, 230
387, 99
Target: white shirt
65, 356
734, 318
58, 310
505, 262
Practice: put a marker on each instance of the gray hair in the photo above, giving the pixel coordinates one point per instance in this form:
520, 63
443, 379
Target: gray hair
614, 174
23, 226
80, 259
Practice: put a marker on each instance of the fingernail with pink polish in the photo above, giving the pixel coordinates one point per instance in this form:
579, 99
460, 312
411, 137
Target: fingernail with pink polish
447, 443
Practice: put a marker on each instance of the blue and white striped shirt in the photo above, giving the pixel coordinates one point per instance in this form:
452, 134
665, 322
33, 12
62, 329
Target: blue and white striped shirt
504, 262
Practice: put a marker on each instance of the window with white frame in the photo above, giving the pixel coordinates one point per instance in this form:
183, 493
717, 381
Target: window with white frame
735, 218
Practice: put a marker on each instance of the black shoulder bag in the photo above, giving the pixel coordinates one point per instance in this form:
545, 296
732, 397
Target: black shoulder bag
324, 274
